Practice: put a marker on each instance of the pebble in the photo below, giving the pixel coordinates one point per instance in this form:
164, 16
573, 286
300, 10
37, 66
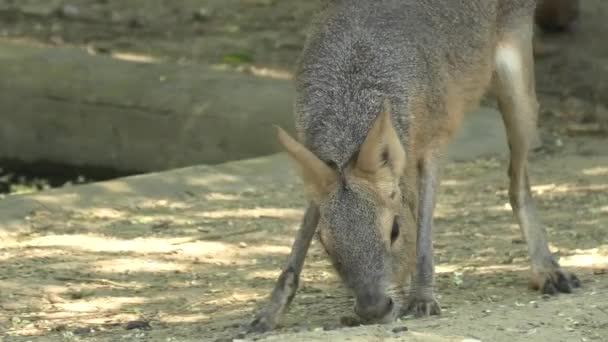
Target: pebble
82, 331
70, 11
202, 14
143, 325
349, 321
401, 329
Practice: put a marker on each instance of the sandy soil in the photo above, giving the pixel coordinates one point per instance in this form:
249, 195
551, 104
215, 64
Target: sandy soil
190, 253
187, 256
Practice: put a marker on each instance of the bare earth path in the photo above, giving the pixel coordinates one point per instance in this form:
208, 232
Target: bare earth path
192, 251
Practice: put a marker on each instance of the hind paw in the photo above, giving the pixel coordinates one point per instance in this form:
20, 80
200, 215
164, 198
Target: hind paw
555, 282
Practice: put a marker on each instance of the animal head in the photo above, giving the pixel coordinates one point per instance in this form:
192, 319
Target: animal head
365, 226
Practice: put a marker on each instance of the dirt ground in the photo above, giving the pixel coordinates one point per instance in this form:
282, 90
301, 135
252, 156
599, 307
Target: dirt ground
186, 256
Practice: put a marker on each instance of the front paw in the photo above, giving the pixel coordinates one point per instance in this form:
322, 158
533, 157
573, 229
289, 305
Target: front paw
554, 282
422, 306
262, 322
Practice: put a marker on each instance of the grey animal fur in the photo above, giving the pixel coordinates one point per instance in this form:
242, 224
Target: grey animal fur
432, 60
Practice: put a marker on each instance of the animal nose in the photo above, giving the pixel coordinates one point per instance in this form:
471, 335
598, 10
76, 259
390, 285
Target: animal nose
373, 306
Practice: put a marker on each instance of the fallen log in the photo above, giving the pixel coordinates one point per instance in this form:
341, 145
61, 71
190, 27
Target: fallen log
64, 105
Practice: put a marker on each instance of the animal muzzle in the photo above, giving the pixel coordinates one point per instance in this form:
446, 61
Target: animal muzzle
374, 306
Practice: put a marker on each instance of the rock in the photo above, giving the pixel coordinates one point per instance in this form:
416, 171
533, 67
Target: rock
400, 329
82, 331
142, 325
69, 11
349, 321
201, 14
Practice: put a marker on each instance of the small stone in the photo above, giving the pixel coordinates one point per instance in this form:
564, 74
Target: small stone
349, 321
517, 241
69, 11
143, 325
136, 23
260, 2
330, 326
82, 331
242, 245
400, 329
288, 44
201, 14
223, 339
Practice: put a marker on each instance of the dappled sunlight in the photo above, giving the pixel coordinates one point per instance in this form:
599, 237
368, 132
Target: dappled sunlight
185, 318
498, 269
596, 171
206, 256
215, 251
266, 274
235, 296
100, 303
92, 318
282, 213
132, 264
454, 183
132, 57
211, 179
446, 268
31, 252
94, 243
162, 203
594, 258
265, 250
216, 196
116, 186
270, 73
568, 188
51, 198
505, 208
104, 213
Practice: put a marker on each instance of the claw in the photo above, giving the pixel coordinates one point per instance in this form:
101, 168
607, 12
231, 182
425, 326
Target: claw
423, 307
556, 282
259, 325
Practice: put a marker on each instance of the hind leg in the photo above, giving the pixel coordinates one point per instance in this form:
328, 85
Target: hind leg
515, 89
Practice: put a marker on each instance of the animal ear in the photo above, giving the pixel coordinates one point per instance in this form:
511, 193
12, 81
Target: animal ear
382, 146
318, 177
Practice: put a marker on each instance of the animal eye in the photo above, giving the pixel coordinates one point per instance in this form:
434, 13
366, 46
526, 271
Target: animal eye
395, 230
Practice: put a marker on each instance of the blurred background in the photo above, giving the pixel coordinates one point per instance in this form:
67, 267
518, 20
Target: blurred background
95, 89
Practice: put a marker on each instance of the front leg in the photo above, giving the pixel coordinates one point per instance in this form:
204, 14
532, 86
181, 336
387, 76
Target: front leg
287, 283
422, 300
